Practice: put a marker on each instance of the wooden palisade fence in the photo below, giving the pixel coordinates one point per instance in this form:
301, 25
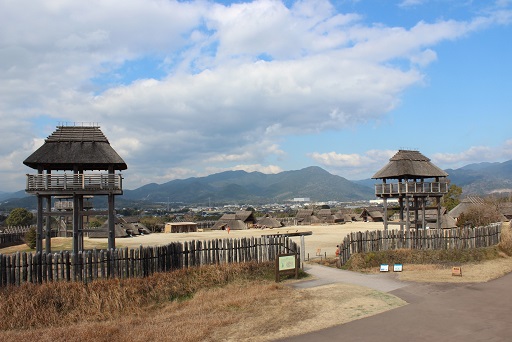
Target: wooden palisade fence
13, 235
124, 263
456, 238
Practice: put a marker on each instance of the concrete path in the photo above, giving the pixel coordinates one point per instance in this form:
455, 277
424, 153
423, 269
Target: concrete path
323, 275
436, 312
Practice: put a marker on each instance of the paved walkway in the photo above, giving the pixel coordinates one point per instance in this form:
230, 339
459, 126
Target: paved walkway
436, 312
323, 275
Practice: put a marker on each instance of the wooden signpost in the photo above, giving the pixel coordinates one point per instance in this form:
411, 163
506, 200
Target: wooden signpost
286, 264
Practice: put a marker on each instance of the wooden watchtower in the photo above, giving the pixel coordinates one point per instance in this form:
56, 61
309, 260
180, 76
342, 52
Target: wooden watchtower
74, 162
417, 182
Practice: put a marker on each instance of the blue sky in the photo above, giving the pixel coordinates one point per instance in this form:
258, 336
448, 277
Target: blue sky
186, 89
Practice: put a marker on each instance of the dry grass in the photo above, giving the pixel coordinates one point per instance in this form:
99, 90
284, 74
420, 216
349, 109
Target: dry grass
213, 304
255, 311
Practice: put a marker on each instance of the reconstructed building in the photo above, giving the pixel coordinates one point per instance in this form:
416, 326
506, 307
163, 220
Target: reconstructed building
74, 162
415, 181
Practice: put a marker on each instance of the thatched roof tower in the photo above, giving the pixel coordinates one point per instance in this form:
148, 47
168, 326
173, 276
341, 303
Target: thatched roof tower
418, 182
77, 149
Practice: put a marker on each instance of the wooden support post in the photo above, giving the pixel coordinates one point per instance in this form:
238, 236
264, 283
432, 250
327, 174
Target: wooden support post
302, 251
407, 214
48, 239
39, 229
80, 223
416, 205
76, 218
423, 205
401, 203
111, 223
385, 202
438, 213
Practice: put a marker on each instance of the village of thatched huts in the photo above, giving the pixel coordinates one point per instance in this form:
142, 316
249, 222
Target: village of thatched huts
238, 221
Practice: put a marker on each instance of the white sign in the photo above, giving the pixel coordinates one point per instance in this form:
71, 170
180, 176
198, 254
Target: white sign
397, 268
384, 268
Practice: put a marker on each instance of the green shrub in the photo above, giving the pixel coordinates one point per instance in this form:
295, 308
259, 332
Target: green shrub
30, 238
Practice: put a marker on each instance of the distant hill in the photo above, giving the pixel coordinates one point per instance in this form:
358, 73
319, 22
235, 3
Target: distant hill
241, 186
483, 178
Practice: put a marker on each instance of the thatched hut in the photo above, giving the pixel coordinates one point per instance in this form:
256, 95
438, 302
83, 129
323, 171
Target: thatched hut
372, 215
325, 216
465, 205
269, 222
237, 221
306, 217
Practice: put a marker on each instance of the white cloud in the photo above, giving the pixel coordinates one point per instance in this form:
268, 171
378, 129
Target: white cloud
234, 79
475, 154
353, 165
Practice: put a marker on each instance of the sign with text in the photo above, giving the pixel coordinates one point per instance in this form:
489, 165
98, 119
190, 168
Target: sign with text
286, 264
457, 271
397, 268
384, 268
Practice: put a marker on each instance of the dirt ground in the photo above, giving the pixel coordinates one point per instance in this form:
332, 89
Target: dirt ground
324, 238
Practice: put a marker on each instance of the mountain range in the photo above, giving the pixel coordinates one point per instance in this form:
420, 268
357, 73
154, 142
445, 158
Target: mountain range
256, 187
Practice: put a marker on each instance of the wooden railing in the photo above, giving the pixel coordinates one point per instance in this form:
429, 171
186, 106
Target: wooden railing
411, 188
123, 263
456, 238
77, 181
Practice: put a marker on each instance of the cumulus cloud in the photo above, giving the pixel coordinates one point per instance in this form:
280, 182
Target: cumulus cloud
475, 154
358, 165
230, 81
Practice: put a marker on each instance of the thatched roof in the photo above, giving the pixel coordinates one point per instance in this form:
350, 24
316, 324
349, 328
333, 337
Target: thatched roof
465, 205
122, 228
70, 146
303, 213
244, 216
447, 222
222, 224
270, 222
409, 164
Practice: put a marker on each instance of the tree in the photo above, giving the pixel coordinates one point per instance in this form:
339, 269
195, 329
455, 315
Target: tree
452, 198
152, 223
20, 217
30, 238
479, 215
